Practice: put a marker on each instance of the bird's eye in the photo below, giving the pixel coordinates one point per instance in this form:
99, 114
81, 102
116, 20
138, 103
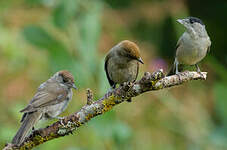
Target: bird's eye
64, 80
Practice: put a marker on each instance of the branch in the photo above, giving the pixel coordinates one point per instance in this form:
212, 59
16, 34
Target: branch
149, 82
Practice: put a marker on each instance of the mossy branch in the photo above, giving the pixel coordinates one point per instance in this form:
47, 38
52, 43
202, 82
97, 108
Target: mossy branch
149, 82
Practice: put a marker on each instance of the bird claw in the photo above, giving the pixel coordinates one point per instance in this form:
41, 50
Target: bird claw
127, 86
199, 71
201, 74
179, 76
61, 119
109, 92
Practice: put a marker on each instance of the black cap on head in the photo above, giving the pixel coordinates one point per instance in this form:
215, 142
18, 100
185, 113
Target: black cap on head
194, 19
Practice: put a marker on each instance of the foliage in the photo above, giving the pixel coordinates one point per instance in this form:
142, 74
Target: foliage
40, 37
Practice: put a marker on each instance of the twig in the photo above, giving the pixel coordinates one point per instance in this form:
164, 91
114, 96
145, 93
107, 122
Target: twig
89, 97
149, 82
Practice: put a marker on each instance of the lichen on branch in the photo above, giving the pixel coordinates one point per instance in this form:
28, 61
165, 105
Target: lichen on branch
66, 126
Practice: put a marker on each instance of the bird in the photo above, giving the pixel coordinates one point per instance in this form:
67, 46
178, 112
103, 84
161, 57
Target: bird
50, 100
192, 46
122, 63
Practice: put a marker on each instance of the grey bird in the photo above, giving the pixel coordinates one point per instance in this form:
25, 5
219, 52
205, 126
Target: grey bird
122, 63
192, 46
50, 100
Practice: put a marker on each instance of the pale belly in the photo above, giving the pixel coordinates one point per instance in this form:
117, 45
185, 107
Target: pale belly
123, 73
57, 109
190, 53
190, 57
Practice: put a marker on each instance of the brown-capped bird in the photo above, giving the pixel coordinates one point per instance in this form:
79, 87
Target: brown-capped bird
122, 63
50, 100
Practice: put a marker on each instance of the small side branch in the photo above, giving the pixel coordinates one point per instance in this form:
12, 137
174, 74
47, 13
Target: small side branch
149, 82
89, 97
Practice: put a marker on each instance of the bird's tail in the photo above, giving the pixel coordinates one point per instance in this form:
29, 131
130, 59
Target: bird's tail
28, 121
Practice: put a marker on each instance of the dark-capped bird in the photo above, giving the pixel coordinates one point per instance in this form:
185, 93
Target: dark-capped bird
193, 45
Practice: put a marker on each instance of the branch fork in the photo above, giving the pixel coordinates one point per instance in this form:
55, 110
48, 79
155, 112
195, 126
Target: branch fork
149, 82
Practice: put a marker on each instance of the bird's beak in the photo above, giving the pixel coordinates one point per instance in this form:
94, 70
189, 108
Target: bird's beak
181, 21
184, 22
140, 60
74, 86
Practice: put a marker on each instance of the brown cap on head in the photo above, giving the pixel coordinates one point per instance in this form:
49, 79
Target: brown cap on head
66, 75
132, 49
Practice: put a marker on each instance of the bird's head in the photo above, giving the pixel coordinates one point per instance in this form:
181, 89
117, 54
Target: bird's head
131, 50
193, 24
66, 78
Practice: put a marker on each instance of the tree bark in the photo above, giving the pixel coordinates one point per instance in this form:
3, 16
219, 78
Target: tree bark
149, 82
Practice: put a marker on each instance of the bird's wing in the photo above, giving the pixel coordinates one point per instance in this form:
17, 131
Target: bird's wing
50, 95
111, 82
178, 43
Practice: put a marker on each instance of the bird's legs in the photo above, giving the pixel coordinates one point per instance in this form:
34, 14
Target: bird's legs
129, 86
55, 117
198, 70
61, 120
197, 67
176, 63
110, 90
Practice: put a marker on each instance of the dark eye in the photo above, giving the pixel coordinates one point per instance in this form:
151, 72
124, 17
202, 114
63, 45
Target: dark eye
65, 80
191, 21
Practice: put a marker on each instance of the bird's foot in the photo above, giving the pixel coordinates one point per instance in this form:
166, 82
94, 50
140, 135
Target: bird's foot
200, 73
110, 89
179, 76
127, 86
109, 92
61, 119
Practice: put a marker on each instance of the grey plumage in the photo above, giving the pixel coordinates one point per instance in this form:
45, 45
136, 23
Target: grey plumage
50, 100
193, 45
28, 121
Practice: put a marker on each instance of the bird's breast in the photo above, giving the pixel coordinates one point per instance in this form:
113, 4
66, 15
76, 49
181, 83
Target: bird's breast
191, 51
121, 71
57, 109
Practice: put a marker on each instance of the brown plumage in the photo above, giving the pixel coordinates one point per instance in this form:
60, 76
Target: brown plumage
67, 76
122, 63
50, 100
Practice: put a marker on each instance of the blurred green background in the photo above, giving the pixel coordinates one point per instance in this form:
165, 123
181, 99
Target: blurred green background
40, 37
